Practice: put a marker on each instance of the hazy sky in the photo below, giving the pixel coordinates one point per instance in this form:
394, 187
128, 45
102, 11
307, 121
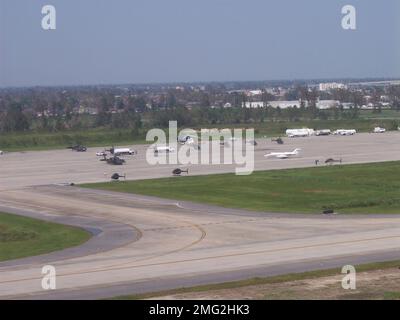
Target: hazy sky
140, 41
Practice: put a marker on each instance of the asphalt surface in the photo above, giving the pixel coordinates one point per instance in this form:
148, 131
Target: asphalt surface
163, 244
22, 169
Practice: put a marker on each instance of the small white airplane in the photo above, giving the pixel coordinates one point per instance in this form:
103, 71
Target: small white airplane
283, 155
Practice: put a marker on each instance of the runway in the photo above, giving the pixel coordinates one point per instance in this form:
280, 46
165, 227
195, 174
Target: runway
22, 169
167, 244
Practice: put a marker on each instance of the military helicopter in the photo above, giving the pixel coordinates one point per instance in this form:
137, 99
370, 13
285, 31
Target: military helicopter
278, 140
113, 160
78, 148
331, 161
178, 172
116, 176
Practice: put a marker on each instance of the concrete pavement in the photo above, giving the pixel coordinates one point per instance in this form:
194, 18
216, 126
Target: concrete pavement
165, 244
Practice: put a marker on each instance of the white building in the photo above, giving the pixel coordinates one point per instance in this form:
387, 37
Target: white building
331, 86
273, 104
327, 104
227, 105
285, 104
321, 104
253, 105
253, 92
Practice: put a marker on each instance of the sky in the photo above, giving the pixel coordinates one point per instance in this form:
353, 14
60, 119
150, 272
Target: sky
146, 41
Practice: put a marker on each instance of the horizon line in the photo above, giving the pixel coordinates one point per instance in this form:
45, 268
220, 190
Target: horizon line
321, 80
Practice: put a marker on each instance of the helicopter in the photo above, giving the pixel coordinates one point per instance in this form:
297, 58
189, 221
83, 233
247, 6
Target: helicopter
78, 148
278, 140
178, 172
116, 176
331, 161
113, 160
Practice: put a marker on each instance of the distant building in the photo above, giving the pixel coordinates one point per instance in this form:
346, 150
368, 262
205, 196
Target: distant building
253, 92
321, 104
331, 86
227, 105
253, 105
285, 104
327, 104
347, 105
273, 104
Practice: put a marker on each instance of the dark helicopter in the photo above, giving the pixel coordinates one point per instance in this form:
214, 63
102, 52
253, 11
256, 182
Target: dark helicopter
178, 172
116, 176
78, 148
278, 140
331, 161
113, 160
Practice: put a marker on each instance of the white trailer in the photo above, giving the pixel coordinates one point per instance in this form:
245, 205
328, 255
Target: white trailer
166, 149
345, 132
122, 151
323, 132
294, 133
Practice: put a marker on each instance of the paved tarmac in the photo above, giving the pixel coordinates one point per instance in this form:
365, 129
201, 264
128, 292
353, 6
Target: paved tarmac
162, 244
22, 169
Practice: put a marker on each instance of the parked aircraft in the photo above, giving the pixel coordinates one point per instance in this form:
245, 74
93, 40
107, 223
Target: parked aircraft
283, 155
115, 160
178, 172
78, 148
116, 176
278, 140
331, 161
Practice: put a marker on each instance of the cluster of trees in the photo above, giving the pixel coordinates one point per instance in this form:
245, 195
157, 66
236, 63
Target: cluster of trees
214, 116
58, 109
15, 119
